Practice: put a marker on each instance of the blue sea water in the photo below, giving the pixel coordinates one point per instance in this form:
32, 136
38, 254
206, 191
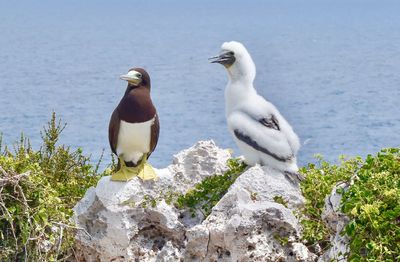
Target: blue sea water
331, 67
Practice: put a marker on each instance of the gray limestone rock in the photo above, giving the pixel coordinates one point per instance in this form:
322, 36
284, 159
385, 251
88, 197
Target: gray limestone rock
131, 221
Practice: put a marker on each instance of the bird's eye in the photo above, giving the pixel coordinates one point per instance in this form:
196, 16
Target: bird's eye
139, 75
231, 53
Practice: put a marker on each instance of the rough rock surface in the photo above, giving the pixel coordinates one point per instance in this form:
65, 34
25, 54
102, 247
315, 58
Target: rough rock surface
336, 221
132, 221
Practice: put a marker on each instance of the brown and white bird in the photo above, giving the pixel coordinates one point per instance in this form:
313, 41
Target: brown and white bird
134, 128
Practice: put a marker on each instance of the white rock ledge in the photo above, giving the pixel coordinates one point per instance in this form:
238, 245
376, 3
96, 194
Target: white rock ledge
246, 225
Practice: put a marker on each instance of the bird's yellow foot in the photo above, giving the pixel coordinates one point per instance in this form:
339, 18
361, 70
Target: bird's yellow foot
147, 172
143, 171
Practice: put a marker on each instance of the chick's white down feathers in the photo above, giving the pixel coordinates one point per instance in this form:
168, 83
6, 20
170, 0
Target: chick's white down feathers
245, 109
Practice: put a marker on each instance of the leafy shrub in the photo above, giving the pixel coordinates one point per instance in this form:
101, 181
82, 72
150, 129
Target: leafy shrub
319, 181
38, 190
373, 205
206, 194
372, 202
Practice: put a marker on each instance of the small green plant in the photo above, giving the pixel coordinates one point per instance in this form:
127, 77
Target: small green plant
206, 194
280, 200
38, 190
253, 196
169, 196
148, 201
282, 240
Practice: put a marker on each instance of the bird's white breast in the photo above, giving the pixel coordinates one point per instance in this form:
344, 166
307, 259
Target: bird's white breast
238, 94
134, 140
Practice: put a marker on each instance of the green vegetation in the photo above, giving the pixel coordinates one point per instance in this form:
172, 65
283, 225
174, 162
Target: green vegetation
206, 194
38, 190
169, 196
373, 205
284, 241
281, 200
319, 181
372, 202
203, 197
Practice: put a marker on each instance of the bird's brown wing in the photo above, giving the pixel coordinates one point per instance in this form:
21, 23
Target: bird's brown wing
113, 130
155, 131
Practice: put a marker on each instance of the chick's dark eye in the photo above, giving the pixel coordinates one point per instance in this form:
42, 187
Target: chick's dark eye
231, 53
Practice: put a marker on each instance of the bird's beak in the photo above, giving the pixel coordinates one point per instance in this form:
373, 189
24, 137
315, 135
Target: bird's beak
132, 77
225, 58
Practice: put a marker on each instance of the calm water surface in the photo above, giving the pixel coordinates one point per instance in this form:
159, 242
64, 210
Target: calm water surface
331, 67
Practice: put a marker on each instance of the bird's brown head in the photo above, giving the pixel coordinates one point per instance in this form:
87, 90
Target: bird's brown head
137, 77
